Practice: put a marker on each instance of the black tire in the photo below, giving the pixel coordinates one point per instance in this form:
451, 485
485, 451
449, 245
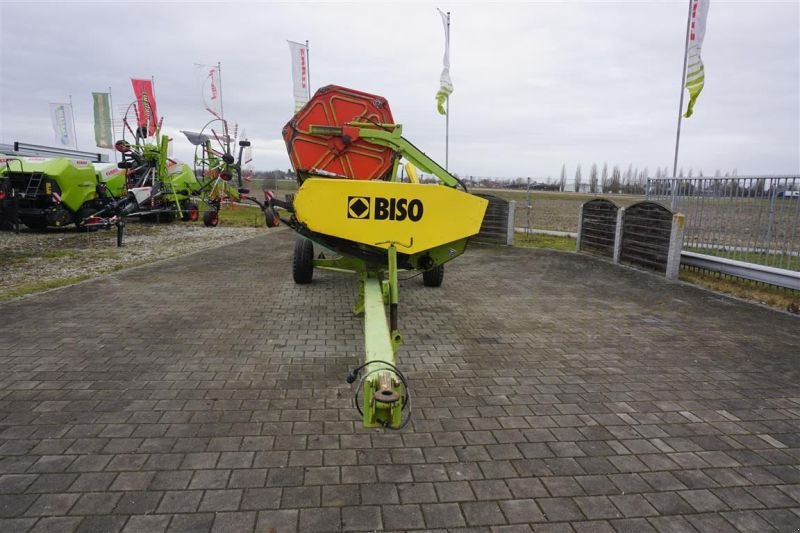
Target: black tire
35, 224
433, 277
211, 219
271, 217
303, 263
190, 213
6, 224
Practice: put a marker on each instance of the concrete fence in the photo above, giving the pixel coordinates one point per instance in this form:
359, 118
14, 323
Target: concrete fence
646, 234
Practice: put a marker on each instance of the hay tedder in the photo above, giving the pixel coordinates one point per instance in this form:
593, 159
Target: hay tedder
346, 151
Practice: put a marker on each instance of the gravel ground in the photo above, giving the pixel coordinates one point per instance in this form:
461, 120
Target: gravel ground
33, 261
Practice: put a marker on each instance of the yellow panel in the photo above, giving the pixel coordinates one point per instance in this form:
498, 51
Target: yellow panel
376, 212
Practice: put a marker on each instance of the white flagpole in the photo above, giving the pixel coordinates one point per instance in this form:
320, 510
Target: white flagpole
308, 71
72, 115
683, 82
111, 111
447, 114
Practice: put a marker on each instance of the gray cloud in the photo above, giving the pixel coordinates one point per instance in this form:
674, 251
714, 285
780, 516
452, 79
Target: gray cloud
537, 84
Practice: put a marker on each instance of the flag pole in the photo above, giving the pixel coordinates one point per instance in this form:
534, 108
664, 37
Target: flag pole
74, 131
683, 82
111, 111
308, 70
447, 114
219, 73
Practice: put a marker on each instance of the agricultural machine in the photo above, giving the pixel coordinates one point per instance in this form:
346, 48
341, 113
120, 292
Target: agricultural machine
54, 188
216, 168
353, 214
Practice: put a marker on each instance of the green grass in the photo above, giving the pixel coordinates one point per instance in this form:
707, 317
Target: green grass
550, 242
39, 286
243, 217
784, 299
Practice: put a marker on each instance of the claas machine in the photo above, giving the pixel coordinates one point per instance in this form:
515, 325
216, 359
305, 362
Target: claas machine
352, 213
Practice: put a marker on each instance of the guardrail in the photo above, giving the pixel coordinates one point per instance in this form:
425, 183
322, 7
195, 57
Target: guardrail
743, 226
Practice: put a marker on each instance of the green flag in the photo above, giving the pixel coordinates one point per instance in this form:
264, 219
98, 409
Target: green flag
102, 121
695, 72
445, 84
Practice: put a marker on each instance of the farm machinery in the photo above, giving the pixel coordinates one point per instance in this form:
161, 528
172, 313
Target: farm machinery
352, 213
43, 187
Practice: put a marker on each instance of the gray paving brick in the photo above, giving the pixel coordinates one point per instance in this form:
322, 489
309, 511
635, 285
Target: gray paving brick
234, 522
583, 415
320, 520
402, 517
445, 515
522, 511
362, 518
56, 524
180, 501
138, 502
190, 523
96, 503
14, 505
102, 524
52, 504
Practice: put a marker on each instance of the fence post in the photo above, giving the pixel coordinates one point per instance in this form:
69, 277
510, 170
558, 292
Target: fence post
673, 202
510, 230
618, 234
675, 246
580, 228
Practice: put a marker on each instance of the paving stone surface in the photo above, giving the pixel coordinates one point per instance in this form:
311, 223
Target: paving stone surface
551, 392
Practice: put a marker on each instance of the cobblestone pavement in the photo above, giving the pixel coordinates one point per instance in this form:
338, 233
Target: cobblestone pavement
553, 392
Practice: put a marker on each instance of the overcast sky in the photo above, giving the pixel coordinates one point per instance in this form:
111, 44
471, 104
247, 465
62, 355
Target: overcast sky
537, 84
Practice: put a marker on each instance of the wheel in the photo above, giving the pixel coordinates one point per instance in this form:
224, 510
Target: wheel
211, 219
35, 224
433, 277
272, 218
303, 264
6, 224
81, 216
190, 213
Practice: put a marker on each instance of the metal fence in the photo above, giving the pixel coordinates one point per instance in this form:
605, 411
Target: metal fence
749, 219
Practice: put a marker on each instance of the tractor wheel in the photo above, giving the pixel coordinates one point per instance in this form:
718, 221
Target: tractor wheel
272, 218
211, 219
303, 264
433, 277
35, 224
190, 212
80, 217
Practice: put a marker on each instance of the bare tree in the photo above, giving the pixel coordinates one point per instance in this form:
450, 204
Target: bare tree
578, 179
562, 184
615, 180
604, 178
593, 178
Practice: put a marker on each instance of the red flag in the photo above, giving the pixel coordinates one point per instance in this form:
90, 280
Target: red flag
146, 102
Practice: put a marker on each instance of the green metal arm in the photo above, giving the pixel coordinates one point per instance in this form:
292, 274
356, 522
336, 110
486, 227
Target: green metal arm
391, 136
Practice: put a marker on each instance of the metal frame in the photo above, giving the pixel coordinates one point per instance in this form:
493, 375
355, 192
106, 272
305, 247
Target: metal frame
383, 388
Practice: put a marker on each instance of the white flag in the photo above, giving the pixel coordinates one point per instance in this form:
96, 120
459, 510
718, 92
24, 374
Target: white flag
299, 73
212, 100
445, 83
63, 123
695, 71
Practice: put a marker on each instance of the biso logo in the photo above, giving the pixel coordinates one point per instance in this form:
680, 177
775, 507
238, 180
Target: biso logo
377, 208
358, 206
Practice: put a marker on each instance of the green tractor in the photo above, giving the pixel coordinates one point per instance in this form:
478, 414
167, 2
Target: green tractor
41, 191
